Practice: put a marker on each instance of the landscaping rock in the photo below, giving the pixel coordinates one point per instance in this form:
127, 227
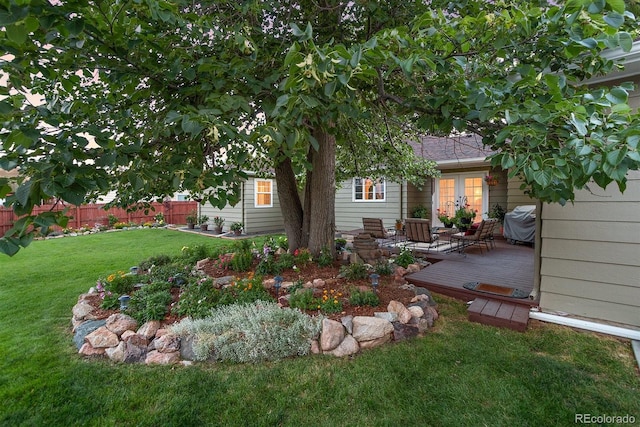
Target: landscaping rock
376, 342
402, 331
200, 265
221, 282
102, 338
347, 347
157, 358
135, 350
416, 311
168, 343
367, 328
332, 334
82, 311
347, 322
149, 329
84, 329
88, 350
116, 353
119, 322
391, 317
404, 315
315, 347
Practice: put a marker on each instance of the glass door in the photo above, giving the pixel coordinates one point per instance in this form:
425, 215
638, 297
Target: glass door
452, 190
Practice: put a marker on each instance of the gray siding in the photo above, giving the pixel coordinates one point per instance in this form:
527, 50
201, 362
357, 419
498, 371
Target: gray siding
255, 219
590, 254
349, 213
516, 196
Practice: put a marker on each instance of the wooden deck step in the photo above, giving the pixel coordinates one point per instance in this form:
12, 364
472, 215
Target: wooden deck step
499, 313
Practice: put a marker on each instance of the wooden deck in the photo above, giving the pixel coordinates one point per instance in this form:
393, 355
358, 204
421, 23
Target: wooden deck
506, 265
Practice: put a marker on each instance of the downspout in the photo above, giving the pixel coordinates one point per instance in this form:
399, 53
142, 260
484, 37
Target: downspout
537, 253
587, 325
242, 210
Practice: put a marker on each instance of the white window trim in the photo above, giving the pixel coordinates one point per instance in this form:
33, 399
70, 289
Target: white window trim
255, 193
459, 177
353, 192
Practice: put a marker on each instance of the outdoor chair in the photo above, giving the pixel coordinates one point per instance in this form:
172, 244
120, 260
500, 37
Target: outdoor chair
482, 235
418, 230
375, 228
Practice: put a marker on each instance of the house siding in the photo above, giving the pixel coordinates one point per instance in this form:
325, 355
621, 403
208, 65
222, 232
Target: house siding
349, 213
590, 254
255, 219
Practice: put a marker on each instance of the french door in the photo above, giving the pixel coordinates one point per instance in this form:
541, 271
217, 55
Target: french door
453, 190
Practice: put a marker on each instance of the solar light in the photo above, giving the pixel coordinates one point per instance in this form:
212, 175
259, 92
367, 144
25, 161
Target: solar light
278, 284
374, 281
124, 302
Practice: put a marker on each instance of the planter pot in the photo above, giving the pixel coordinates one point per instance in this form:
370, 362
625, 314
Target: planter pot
448, 224
217, 230
237, 232
191, 225
204, 227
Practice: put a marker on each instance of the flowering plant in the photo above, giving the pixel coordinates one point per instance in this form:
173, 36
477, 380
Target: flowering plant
491, 179
444, 217
218, 221
464, 214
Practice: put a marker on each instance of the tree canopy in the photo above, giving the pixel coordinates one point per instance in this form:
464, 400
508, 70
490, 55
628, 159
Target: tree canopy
153, 97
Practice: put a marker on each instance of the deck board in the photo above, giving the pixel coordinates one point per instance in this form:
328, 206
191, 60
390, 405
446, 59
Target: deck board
502, 314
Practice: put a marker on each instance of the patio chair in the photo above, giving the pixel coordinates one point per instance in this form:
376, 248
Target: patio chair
375, 228
482, 235
418, 230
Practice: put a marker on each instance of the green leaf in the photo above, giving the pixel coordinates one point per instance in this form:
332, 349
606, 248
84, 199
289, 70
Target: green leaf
23, 192
625, 40
8, 246
614, 19
507, 161
330, 88
617, 5
615, 157
17, 33
579, 125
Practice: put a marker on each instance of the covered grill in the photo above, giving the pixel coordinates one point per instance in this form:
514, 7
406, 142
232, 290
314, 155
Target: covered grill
520, 224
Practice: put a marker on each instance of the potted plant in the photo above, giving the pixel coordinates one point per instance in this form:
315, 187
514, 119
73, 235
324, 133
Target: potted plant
445, 219
498, 212
420, 211
192, 218
491, 180
218, 221
464, 214
202, 220
237, 227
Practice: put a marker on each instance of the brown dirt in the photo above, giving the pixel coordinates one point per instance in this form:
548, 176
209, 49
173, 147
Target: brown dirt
387, 290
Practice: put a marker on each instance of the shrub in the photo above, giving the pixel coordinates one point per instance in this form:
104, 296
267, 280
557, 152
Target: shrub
330, 302
361, 298
198, 299
325, 258
383, 268
303, 299
354, 271
242, 260
286, 261
405, 258
112, 219
250, 333
195, 253
116, 284
246, 290
150, 302
165, 273
302, 256
157, 260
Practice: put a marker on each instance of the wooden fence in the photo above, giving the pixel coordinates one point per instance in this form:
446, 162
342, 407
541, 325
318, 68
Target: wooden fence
175, 212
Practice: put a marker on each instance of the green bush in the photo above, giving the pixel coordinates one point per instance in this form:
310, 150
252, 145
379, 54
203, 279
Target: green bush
242, 260
195, 253
362, 298
286, 261
303, 299
198, 299
250, 333
325, 258
383, 268
165, 273
156, 261
405, 258
354, 271
151, 302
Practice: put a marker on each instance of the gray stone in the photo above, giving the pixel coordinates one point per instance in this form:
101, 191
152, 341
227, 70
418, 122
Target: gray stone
424, 291
347, 322
347, 347
168, 343
200, 265
315, 347
402, 331
391, 317
222, 281
116, 353
332, 334
102, 338
366, 328
186, 348
416, 311
156, 358
84, 329
119, 322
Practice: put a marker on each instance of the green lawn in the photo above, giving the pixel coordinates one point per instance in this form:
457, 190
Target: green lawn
461, 374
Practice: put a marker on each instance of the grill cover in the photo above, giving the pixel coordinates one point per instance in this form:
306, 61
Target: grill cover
520, 224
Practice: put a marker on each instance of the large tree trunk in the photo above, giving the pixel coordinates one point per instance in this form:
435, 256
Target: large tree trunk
320, 194
310, 222
290, 205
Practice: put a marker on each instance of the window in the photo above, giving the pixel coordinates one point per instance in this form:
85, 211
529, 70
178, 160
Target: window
368, 190
452, 188
264, 193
